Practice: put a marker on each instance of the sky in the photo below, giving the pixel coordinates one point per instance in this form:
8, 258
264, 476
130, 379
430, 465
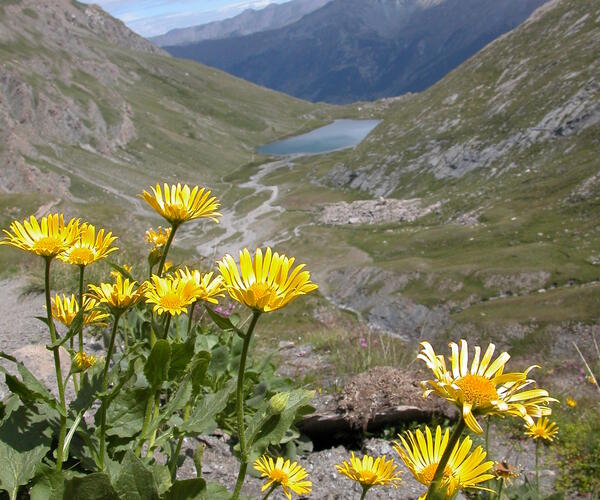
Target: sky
155, 17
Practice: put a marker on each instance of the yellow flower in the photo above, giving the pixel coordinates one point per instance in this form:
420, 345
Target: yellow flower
483, 388
202, 286
422, 454
169, 294
179, 203
370, 472
543, 429
83, 361
119, 295
571, 403
47, 238
66, 308
89, 247
290, 476
158, 237
264, 284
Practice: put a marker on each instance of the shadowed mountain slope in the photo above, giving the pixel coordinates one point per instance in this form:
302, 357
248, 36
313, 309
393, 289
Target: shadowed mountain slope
363, 49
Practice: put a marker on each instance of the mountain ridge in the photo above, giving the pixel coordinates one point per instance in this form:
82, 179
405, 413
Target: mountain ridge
352, 50
250, 21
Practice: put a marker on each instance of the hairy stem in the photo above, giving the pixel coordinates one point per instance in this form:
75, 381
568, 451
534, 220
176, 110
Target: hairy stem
240, 408
166, 250
59, 380
271, 490
434, 493
104, 406
186, 416
80, 332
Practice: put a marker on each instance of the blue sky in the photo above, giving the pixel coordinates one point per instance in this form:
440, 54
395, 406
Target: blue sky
154, 17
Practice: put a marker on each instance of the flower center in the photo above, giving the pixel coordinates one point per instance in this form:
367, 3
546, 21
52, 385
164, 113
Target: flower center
477, 390
368, 477
48, 246
261, 290
171, 301
279, 476
81, 256
428, 472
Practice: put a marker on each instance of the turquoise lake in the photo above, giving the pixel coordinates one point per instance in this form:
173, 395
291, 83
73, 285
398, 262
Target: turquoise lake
340, 134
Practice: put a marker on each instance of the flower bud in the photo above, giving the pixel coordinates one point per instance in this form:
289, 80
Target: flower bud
279, 402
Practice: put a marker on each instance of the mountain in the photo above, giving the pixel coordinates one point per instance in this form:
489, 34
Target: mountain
472, 209
250, 21
352, 50
91, 111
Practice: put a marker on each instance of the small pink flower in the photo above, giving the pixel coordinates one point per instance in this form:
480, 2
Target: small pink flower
363, 342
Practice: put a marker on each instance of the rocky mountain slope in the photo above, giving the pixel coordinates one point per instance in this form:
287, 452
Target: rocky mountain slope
90, 113
352, 50
472, 208
273, 16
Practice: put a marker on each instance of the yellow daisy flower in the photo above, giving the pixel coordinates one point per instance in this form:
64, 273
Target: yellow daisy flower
289, 475
202, 286
370, 472
265, 283
89, 247
422, 454
483, 388
158, 237
118, 296
542, 429
83, 361
178, 203
169, 294
47, 238
66, 308
571, 403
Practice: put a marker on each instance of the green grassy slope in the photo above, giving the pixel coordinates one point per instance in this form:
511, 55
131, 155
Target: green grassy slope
91, 114
508, 143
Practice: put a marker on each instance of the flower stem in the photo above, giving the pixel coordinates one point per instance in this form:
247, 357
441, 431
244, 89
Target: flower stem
59, 379
104, 406
80, 332
433, 493
190, 318
537, 467
186, 416
500, 488
364, 492
240, 407
166, 250
271, 490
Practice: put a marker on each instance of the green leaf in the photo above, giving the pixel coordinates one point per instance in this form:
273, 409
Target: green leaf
200, 364
188, 489
91, 385
162, 477
126, 412
181, 355
29, 388
265, 428
221, 321
216, 491
92, 487
135, 481
18, 467
157, 366
219, 360
48, 484
202, 418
